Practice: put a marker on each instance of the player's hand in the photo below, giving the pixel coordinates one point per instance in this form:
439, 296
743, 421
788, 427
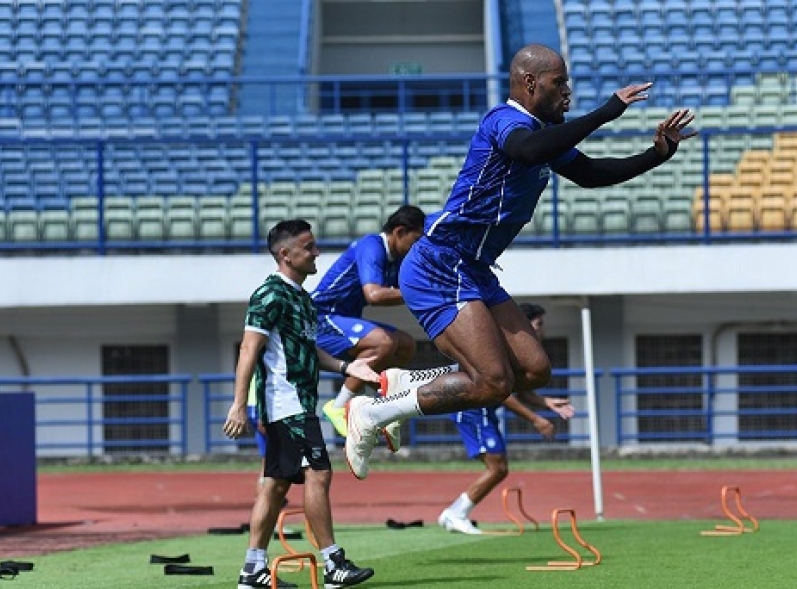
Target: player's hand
360, 368
673, 128
237, 423
634, 93
545, 427
561, 407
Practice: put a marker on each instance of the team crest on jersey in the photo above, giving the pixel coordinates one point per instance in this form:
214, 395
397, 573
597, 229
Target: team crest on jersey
309, 331
545, 172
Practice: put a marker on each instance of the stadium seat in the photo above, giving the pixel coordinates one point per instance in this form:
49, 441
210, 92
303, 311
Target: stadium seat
181, 218
119, 220
55, 224
740, 209
676, 214
774, 209
22, 224
213, 217
615, 214
149, 213
585, 215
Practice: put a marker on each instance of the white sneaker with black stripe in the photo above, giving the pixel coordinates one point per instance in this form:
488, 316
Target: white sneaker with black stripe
345, 573
262, 580
395, 380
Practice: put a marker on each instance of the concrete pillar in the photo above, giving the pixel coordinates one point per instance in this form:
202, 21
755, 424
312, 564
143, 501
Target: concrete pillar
197, 352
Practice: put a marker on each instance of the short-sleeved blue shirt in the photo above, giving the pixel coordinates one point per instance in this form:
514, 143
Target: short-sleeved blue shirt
365, 261
493, 196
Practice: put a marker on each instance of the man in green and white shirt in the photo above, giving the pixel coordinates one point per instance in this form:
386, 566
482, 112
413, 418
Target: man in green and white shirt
279, 350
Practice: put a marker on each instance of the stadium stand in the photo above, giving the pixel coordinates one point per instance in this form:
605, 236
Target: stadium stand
156, 82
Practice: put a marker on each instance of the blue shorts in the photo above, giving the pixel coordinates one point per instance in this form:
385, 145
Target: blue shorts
337, 334
480, 432
436, 282
259, 438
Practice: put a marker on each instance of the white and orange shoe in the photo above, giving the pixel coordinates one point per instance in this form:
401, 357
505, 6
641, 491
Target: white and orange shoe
361, 439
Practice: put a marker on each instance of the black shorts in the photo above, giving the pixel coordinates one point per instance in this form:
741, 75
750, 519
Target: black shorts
295, 443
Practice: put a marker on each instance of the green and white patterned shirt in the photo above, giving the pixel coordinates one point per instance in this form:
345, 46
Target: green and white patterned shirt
287, 372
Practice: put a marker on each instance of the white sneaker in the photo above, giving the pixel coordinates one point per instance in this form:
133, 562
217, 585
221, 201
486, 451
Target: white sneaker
395, 380
361, 439
392, 434
453, 523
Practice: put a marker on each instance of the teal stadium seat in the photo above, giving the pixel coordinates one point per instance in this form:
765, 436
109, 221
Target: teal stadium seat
150, 212
55, 224
181, 218
241, 216
647, 214
585, 215
22, 225
615, 214
212, 217
118, 217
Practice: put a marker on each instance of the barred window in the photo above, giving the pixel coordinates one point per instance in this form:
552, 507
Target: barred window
767, 401
128, 418
663, 396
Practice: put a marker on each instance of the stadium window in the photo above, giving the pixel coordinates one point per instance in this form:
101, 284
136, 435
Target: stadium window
767, 398
140, 423
669, 394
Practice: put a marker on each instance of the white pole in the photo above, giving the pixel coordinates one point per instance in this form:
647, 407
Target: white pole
592, 409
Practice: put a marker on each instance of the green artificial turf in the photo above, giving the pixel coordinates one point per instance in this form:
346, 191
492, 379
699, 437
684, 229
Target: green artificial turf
635, 555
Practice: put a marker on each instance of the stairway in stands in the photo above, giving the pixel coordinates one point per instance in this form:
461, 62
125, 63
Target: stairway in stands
271, 48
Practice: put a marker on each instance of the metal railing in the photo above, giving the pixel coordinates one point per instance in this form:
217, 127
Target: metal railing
707, 405
93, 416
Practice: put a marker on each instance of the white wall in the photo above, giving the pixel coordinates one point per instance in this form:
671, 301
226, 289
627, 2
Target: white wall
202, 279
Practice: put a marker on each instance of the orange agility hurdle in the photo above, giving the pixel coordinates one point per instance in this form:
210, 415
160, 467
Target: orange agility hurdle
300, 556
740, 527
519, 525
578, 560
296, 566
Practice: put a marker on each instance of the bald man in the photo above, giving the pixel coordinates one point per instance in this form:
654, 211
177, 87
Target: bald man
447, 278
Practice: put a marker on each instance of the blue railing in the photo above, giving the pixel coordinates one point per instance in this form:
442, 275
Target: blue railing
71, 414
707, 405
719, 406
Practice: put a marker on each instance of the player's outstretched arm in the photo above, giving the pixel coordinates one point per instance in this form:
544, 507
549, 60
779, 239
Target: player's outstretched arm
590, 172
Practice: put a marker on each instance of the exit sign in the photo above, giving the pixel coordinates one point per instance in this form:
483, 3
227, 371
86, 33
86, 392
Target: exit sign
407, 68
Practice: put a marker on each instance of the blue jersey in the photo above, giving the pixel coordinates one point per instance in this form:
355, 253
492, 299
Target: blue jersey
366, 261
493, 196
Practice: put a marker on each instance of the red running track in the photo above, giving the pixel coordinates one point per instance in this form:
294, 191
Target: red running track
81, 510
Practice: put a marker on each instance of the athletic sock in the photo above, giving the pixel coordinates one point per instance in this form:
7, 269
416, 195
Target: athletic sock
344, 396
326, 553
256, 560
462, 506
384, 410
